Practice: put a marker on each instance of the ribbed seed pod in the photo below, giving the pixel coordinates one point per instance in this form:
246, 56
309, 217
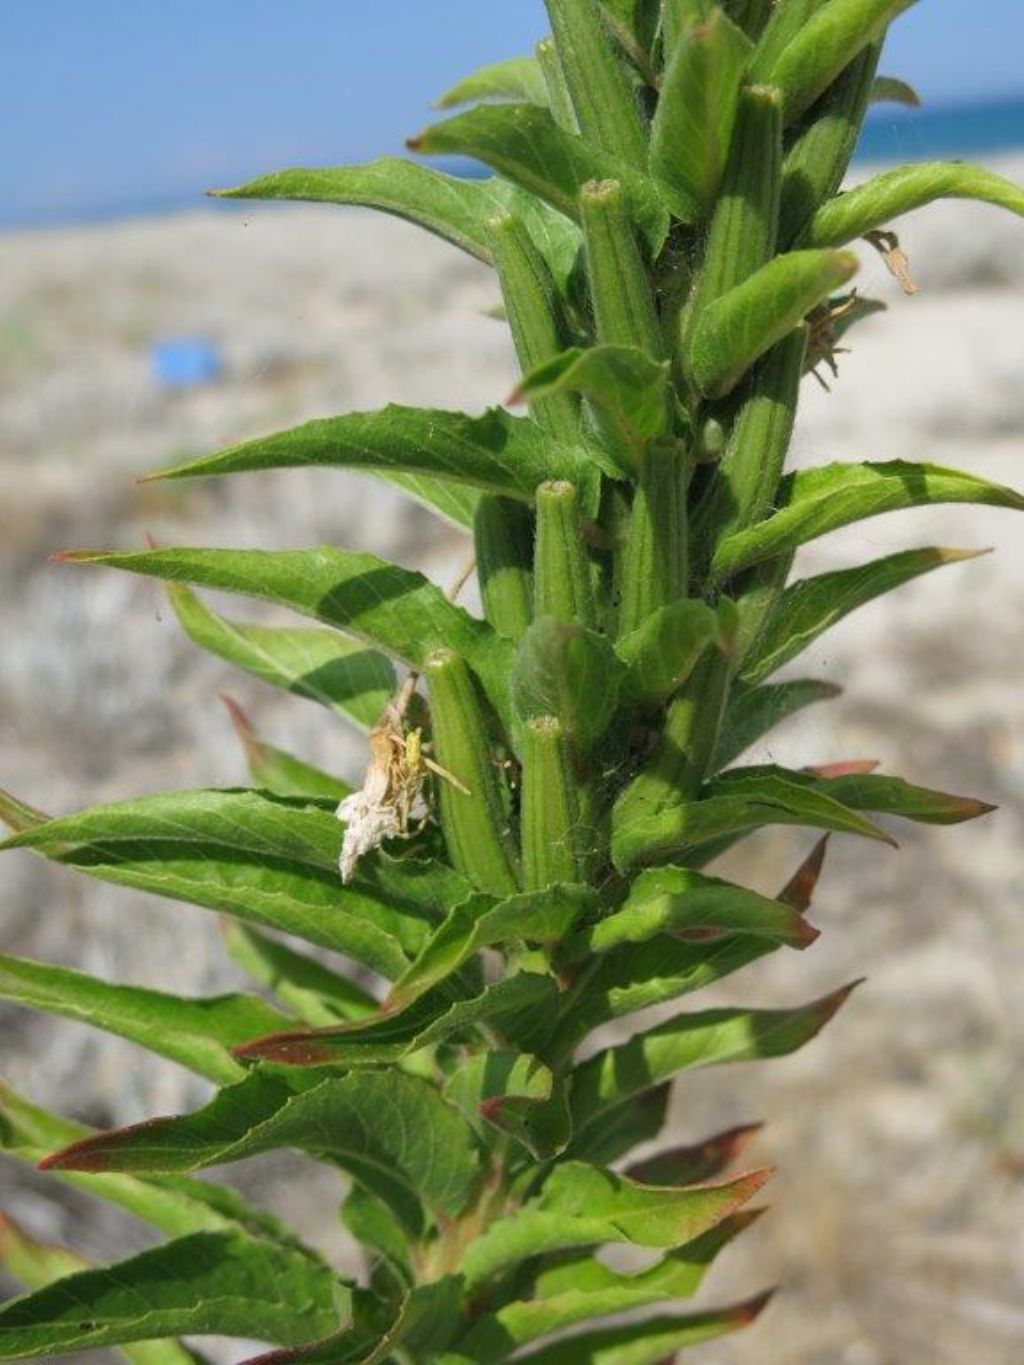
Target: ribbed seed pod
605, 104
655, 557
474, 819
558, 92
503, 538
620, 291
561, 569
552, 833
819, 157
531, 305
786, 20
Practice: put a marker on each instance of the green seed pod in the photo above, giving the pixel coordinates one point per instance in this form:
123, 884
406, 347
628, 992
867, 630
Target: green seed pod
531, 305
786, 19
816, 162
655, 556
552, 834
559, 98
605, 105
473, 811
562, 577
620, 291
503, 537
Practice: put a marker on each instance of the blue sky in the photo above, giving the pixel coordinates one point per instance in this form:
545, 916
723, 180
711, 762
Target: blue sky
123, 102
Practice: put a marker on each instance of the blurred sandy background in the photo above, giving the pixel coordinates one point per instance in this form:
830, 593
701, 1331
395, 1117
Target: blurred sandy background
899, 1134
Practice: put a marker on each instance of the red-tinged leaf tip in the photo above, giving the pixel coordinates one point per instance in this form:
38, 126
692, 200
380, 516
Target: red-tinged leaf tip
830, 1005
799, 890
243, 728
76, 556
289, 1049
415, 142
851, 767
749, 1311
491, 1108
93, 1153
516, 397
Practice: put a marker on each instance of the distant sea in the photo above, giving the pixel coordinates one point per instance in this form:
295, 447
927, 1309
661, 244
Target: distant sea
890, 134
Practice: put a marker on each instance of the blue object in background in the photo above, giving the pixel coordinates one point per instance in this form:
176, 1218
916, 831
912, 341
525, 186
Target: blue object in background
185, 362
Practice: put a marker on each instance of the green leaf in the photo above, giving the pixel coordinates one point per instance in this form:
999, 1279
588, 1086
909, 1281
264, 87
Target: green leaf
691, 905
515, 1093
525, 144
211, 1283
517, 78
813, 605
396, 609
453, 207
710, 1038
276, 770
813, 502
753, 711
197, 1033
564, 670
268, 860
894, 796
496, 452
727, 810
744, 323
310, 662
893, 193
652, 1341
891, 90
521, 1008
371, 1123
693, 124
582, 1205
309, 988
628, 389
662, 652
829, 40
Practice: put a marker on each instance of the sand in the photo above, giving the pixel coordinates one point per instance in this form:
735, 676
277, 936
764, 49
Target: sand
899, 1134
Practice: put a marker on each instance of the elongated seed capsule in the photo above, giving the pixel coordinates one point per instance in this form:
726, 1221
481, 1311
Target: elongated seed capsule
747, 476
786, 20
552, 835
473, 813
605, 104
503, 538
532, 308
561, 568
654, 558
620, 291
814, 165
559, 99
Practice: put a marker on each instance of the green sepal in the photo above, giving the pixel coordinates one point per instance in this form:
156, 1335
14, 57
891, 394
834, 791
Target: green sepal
503, 540
654, 567
516, 78
474, 809
564, 670
562, 580
555, 843
692, 129
606, 108
620, 290
738, 328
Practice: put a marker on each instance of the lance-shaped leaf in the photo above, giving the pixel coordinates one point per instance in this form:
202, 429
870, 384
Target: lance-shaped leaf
196, 1033
729, 810
692, 905
692, 128
311, 990
661, 653
525, 144
894, 796
35, 1264
749, 319
175, 1204
371, 1123
543, 917
902, 190
813, 605
583, 1288
753, 711
695, 1162
452, 207
269, 860
565, 670
278, 771
516, 1094
710, 1038
582, 1205
652, 1341
496, 452
517, 78
396, 609
813, 502
628, 389
307, 661
212, 1283
891, 90
521, 1008
826, 43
